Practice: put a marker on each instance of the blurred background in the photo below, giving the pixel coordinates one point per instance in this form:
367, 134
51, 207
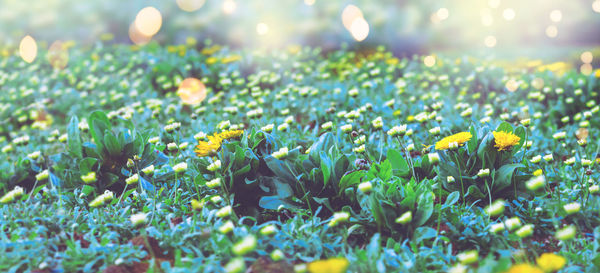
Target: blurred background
501, 28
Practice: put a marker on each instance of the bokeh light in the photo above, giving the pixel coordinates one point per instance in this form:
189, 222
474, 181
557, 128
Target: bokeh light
429, 61
586, 69
490, 41
442, 14
552, 31
587, 57
136, 37
262, 29
556, 16
596, 6
359, 29
58, 55
494, 3
349, 14
190, 5
229, 6
192, 91
309, 2
512, 85
148, 21
537, 83
509, 14
28, 49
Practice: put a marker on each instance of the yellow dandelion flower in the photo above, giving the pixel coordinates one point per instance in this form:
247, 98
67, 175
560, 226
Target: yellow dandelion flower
230, 134
505, 140
524, 268
209, 148
333, 265
231, 58
459, 138
551, 262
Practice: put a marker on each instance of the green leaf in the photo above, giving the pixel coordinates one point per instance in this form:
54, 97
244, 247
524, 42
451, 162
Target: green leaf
87, 165
505, 127
99, 123
325, 167
74, 139
424, 233
351, 179
504, 175
398, 162
376, 210
424, 208
452, 199
472, 144
112, 144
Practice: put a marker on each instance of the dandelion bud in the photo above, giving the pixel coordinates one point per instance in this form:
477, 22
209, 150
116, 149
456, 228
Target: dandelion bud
89, 178
512, 223
42, 176
483, 173
346, 128
35, 155
283, 127
559, 135
327, 125
12, 195
214, 183
224, 212
197, 205
538, 172
339, 217
180, 167
138, 219
498, 227
360, 149
525, 231
235, 265
215, 166
377, 123
268, 230
536, 183
281, 153
496, 208
365, 187
434, 158
277, 255
468, 257
566, 233
153, 140
148, 170
172, 147
132, 179
226, 227
572, 208
570, 161
405, 218
101, 199
244, 246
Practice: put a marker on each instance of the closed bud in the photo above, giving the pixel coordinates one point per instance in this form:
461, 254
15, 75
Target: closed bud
405, 218
245, 246
566, 233
468, 257
525, 231
365, 187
